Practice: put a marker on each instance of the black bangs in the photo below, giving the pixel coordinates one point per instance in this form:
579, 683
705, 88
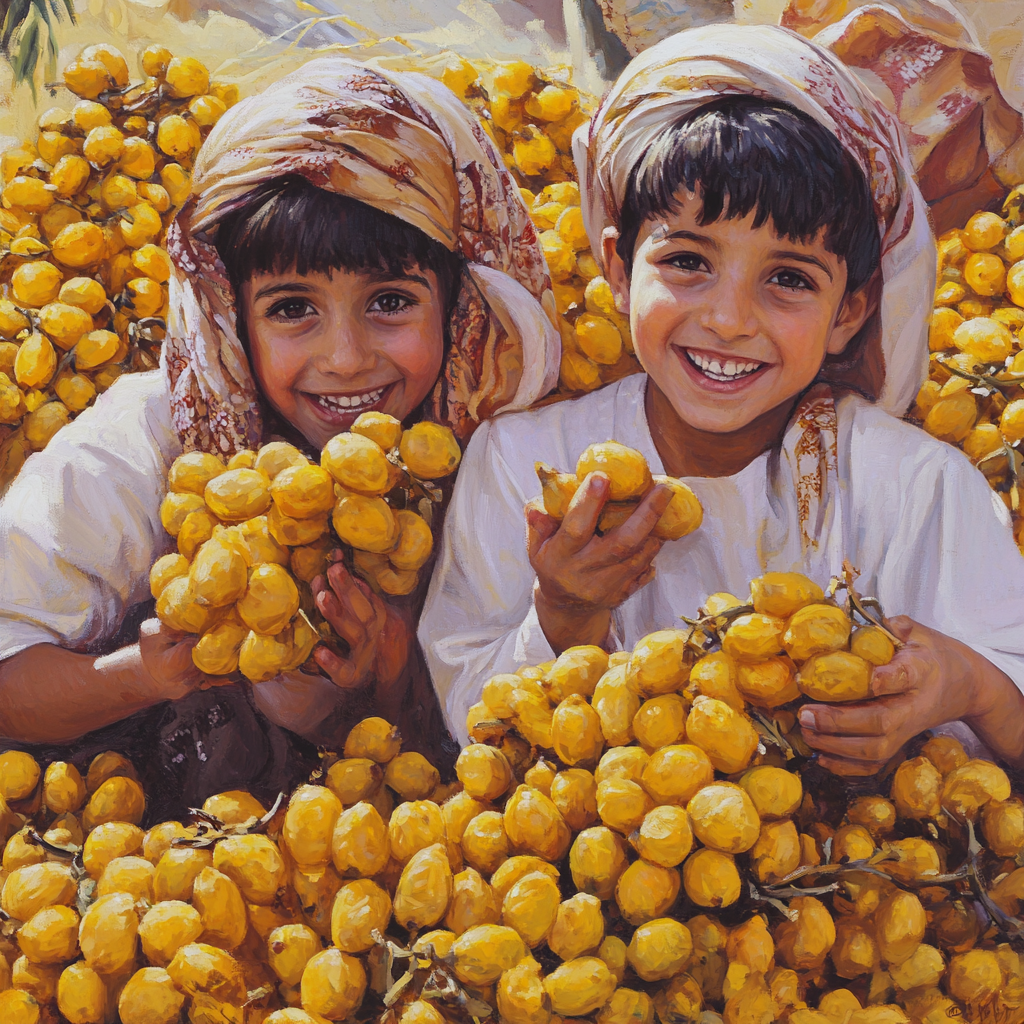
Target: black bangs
291, 225
742, 154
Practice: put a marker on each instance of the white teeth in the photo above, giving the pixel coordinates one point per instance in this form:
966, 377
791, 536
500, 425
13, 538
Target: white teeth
334, 403
714, 369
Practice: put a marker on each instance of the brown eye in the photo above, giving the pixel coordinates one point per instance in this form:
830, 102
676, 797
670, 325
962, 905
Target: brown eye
792, 280
391, 302
688, 261
291, 309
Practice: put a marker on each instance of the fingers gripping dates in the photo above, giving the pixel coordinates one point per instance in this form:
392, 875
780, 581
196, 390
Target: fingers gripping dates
259, 576
629, 482
594, 535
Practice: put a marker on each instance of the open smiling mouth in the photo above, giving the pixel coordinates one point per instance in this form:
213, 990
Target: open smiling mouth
724, 371
346, 404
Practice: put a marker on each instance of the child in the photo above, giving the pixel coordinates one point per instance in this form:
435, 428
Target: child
759, 223
353, 242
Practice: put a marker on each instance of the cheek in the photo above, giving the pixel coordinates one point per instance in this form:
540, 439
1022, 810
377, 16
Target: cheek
655, 312
417, 353
275, 363
801, 335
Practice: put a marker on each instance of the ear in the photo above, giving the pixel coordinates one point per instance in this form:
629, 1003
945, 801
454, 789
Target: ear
853, 313
615, 270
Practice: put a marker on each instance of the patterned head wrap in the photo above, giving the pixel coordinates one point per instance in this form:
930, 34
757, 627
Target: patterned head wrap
403, 144
692, 68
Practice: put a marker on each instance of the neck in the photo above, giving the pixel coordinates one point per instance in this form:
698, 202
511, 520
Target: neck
687, 451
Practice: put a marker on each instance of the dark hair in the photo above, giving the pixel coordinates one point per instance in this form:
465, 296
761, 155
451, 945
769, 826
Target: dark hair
740, 154
290, 224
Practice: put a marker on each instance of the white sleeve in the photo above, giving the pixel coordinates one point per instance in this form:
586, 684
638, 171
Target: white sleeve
952, 563
479, 617
80, 525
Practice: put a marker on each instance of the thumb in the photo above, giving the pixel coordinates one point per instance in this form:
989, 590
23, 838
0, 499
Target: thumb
902, 626
162, 635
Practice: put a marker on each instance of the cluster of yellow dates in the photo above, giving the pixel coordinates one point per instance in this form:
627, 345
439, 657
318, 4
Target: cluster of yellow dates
786, 641
531, 113
629, 479
689, 842
83, 211
617, 848
228, 921
254, 532
973, 395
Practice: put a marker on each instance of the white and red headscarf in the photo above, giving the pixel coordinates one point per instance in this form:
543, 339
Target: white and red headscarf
403, 144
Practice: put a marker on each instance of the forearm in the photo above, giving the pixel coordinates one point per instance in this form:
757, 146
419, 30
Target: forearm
52, 695
998, 720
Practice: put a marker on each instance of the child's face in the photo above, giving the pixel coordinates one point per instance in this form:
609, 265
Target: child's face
730, 321
325, 349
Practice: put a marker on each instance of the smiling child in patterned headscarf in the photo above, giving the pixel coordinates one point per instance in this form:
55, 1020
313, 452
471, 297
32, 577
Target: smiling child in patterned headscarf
353, 242
759, 222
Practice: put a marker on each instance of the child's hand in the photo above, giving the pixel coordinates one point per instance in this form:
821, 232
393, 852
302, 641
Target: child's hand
166, 657
581, 576
377, 636
931, 680
299, 702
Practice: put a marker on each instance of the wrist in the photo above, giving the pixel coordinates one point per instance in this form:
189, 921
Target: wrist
995, 710
126, 669
979, 682
126, 673
569, 625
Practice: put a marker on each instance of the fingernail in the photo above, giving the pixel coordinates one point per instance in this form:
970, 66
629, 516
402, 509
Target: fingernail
807, 719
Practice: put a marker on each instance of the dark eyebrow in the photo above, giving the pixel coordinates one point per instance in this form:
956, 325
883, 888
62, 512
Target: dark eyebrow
384, 276
275, 289
692, 236
799, 257
380, 276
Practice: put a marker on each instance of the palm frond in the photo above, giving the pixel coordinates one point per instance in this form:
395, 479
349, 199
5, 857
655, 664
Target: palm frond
51, 42
15, 21
25, 60
31, 24
62, 7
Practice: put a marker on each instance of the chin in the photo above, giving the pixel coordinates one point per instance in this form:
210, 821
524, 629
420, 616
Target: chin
709, 415
710, 424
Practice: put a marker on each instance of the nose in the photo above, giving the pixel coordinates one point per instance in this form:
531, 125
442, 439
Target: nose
345, 350
729, 310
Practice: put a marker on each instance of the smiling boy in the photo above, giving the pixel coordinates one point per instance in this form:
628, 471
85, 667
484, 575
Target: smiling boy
776, 323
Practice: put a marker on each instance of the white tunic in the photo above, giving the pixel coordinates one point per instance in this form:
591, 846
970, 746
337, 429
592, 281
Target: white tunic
80, 525
921, 524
